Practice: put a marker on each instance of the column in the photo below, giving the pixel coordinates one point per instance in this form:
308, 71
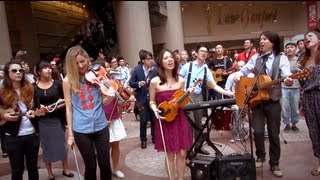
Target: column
28, 36
5, 45
133, 29
173, 26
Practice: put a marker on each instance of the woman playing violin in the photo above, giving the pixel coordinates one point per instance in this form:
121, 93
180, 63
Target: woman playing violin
116, 129
85, 116
177, 134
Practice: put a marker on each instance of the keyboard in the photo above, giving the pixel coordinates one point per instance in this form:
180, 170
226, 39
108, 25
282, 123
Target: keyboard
209, 104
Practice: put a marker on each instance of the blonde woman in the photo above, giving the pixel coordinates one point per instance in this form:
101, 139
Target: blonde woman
85, 116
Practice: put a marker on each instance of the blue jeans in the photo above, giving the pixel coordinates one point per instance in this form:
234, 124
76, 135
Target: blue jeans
20, 148
290, 105
93, 147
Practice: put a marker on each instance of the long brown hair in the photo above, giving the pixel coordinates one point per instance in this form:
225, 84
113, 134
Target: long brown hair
161, 73
305, 56
9, 96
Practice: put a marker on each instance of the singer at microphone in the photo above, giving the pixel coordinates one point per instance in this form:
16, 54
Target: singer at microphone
266, 55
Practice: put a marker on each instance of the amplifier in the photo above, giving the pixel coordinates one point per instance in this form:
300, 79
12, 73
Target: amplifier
235, 166
202, 168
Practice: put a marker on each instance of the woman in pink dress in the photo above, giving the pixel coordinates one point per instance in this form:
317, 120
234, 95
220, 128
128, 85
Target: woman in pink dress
177, 133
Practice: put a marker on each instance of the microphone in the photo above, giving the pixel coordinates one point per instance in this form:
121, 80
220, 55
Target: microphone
264, 55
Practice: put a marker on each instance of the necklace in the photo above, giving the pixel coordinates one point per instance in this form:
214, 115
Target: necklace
90, 105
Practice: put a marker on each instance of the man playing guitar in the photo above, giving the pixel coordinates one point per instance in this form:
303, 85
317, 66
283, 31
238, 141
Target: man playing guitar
219, 67
274, 65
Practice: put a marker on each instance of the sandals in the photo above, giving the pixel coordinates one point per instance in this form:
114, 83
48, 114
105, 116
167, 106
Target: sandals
315, 172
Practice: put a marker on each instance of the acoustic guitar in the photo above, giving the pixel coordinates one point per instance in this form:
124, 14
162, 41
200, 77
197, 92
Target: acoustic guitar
37, 112
180, 98
261, 91
218, 75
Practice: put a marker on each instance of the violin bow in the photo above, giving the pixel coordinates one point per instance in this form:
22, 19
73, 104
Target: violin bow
165, 148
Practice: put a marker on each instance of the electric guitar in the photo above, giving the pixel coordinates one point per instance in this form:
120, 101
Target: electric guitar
260, 92
179, 99
38, 112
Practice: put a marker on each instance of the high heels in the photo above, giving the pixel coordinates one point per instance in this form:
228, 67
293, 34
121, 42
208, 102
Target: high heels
70, 175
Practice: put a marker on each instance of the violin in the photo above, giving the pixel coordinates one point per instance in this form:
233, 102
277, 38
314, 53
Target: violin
98, 75
126, 93
179, 99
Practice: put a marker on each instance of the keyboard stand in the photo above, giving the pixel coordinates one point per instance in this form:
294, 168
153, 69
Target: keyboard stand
203, 136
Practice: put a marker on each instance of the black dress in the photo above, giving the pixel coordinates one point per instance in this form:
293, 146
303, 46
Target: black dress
51, 125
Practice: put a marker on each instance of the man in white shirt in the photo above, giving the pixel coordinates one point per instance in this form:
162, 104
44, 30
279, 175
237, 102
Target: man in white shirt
124, 72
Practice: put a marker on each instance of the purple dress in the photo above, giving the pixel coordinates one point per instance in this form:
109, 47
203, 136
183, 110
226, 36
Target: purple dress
177, 134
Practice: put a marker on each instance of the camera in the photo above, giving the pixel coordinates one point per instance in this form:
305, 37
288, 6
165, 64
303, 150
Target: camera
23, 52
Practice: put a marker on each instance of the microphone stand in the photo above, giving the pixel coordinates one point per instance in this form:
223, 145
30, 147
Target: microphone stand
246, 102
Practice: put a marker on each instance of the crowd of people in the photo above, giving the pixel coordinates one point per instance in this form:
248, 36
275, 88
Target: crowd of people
95, 93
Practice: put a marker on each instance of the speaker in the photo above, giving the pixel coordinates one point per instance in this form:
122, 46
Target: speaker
202, 168
235, 166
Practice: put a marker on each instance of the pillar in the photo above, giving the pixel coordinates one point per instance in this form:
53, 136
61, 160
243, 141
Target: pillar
5, 45
133, 29
173, 26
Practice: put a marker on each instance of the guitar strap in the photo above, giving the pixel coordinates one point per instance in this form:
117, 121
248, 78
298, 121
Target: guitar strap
204, 83
189, 75
225, 63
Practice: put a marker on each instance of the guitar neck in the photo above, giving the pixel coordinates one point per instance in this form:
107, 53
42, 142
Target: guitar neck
274, 82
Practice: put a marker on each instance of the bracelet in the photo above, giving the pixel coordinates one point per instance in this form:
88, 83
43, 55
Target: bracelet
152, 103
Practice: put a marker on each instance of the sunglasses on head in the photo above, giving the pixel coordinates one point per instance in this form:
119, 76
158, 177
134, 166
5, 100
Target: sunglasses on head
16, 70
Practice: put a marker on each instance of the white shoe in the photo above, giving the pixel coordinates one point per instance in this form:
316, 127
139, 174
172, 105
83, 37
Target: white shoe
118, 174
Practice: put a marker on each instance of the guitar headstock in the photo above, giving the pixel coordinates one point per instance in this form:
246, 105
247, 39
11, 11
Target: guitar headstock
301, 74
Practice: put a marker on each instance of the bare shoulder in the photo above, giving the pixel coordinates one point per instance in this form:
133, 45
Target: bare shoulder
65, 81
181, 79
155, 80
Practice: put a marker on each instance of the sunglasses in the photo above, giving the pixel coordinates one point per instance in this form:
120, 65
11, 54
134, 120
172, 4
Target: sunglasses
16, 70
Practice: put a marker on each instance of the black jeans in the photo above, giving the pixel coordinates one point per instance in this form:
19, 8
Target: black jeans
267, 112
20, 148
146, 115
89, 145
3, 140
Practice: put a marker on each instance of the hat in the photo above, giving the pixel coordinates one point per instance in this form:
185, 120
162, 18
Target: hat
56, 59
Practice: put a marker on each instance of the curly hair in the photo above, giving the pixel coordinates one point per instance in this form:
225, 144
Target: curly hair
9, 96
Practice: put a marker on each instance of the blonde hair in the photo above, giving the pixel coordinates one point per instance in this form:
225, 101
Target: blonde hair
71, 66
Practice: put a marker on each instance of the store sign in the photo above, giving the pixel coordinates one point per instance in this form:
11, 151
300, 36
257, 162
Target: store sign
312, 15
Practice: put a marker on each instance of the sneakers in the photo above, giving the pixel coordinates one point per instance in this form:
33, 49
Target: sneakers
259, 162
276, 171
287, 128
295, 128
118, 174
